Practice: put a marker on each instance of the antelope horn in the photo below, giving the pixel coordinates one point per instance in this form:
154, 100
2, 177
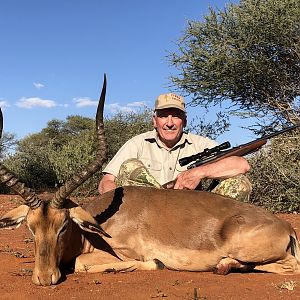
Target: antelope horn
77, 179
9, 179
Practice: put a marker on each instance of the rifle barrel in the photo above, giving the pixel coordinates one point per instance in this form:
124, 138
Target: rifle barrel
269, 136
240, 150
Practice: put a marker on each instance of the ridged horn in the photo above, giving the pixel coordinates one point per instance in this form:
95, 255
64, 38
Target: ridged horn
9, 179
77, 179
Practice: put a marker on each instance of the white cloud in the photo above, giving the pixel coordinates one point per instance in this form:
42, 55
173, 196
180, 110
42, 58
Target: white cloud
38, 85
35, 102
137, 104
112, 108
84, 101
116, 108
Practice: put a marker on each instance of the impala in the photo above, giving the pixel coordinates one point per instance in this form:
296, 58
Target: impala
147, 229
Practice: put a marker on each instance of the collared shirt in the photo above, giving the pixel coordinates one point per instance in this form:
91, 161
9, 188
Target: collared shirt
161, 162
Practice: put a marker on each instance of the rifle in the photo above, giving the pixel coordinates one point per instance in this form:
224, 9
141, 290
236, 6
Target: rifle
219, 152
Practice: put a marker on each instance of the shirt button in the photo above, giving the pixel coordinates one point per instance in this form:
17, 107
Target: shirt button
170, 168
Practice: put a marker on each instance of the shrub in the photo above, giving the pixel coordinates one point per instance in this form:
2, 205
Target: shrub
275, 174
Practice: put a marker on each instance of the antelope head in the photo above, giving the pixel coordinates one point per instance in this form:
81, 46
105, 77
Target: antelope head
54, 222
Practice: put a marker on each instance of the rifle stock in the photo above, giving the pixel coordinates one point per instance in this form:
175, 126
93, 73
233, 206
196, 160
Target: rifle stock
240, 150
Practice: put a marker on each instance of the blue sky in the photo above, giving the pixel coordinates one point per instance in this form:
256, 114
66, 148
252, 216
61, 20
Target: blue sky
54, 54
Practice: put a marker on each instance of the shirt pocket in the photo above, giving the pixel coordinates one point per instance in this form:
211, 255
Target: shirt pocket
154, 167
151, 164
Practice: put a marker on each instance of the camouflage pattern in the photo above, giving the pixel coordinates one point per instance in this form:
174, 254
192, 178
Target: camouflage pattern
237, 187
133, 172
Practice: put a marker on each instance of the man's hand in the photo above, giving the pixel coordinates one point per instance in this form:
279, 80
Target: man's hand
188, 179
107, 183
222, 169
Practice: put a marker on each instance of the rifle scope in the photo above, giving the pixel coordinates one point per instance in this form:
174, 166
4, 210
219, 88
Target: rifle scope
205, 153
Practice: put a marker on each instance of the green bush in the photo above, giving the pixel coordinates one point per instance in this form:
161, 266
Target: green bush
45, 160
34, 169
73, 156
275, 174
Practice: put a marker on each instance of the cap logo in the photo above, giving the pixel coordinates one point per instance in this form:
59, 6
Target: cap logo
170, 101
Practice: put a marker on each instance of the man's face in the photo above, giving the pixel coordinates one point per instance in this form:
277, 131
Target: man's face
169, 123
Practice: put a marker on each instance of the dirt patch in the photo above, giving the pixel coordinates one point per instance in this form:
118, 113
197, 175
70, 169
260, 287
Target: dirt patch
17, 260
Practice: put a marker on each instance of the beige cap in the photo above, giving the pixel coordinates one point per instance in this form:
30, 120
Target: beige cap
170, 100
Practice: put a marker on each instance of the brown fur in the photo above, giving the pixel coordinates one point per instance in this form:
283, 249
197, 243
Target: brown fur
190, 230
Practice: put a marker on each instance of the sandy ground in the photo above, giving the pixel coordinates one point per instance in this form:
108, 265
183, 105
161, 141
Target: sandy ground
17, 259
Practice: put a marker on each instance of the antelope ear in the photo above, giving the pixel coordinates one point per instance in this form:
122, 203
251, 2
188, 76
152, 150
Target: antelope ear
85, 221
14, 217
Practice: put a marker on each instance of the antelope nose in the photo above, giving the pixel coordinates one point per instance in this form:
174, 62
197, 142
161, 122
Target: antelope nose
46, 278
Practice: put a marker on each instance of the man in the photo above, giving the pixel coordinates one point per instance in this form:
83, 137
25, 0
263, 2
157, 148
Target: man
152, 158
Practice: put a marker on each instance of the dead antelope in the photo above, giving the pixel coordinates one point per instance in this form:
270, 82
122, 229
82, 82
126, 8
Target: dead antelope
145, 228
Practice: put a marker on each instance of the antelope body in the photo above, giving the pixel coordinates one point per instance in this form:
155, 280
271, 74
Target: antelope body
146, 228
191, 230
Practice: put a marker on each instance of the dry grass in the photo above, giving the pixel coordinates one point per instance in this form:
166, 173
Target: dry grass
288, 285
